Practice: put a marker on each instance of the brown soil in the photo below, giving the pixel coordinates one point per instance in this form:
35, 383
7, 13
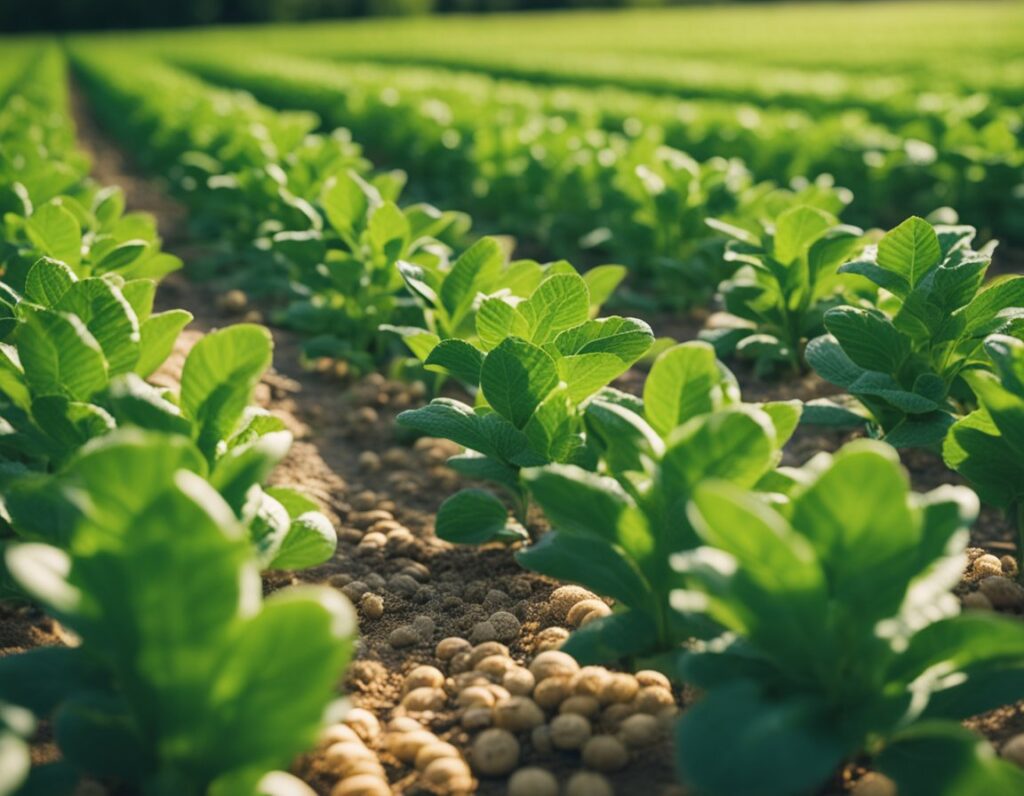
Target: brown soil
347, 454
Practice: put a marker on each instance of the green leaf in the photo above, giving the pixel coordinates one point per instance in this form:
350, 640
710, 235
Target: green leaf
560, 302
611, 638
626, 338
601, 283
302, 634
345, 203
121, 256
71, 423
910, 250
997, 296
311, 540
110, 319
868, 338
608, 571
497, 319
515, 377
585, 374
459, 358
55, 231
139, 293
134, 402
888, 280
944, 757
157, 337
737, 740
831, 362
489, 434
796, 229
474, 516
472, 273
684, 382
735, 444
388, 230
218, 378
47, 281
59, 355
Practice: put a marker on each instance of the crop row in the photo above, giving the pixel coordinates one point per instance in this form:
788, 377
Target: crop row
802, 607
135, 514
556, 161
688, 53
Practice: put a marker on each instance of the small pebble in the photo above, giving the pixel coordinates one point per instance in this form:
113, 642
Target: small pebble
569, 731
874, 784
551, 663
532, 781
587, 783
1013, 750
605, 753
372, 605
495, 752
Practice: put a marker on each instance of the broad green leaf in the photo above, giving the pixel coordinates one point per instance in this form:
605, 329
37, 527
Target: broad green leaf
122, 255
305, 632
474, 516
831, 362
626, 338
737, 740
473, 272
388, 230
585, 374
559, 302
515, 377
601, 283
796, 229
311, 540
910, 250
609, 571
497, 319
47, 281
109, 317
59, 355
489, 434
868, 338
458, 358
55, 231
944, 757
684, 382
71, 423
136, 403
157, 336
612, 638
218, 379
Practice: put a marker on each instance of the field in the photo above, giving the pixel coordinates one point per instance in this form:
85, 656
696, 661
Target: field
542, 403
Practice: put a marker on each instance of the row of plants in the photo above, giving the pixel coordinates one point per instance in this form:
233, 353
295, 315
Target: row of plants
820, 626
640, 202
136, 514
666, 54
809, 616
428, 121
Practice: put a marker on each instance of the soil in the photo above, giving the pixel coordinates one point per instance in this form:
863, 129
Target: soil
382, 494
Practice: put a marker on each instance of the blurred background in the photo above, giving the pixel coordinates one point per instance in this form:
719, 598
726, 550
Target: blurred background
64, 15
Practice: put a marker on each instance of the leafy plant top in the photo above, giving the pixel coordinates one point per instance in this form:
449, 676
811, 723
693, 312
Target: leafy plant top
841, 636
904, 361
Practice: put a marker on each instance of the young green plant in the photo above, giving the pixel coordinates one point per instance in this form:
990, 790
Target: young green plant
614, 530
905, 360
788, 277
987, 446
184, 683
840, 635
535, 363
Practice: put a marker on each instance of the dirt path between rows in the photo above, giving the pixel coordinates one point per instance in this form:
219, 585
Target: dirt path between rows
382, 495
